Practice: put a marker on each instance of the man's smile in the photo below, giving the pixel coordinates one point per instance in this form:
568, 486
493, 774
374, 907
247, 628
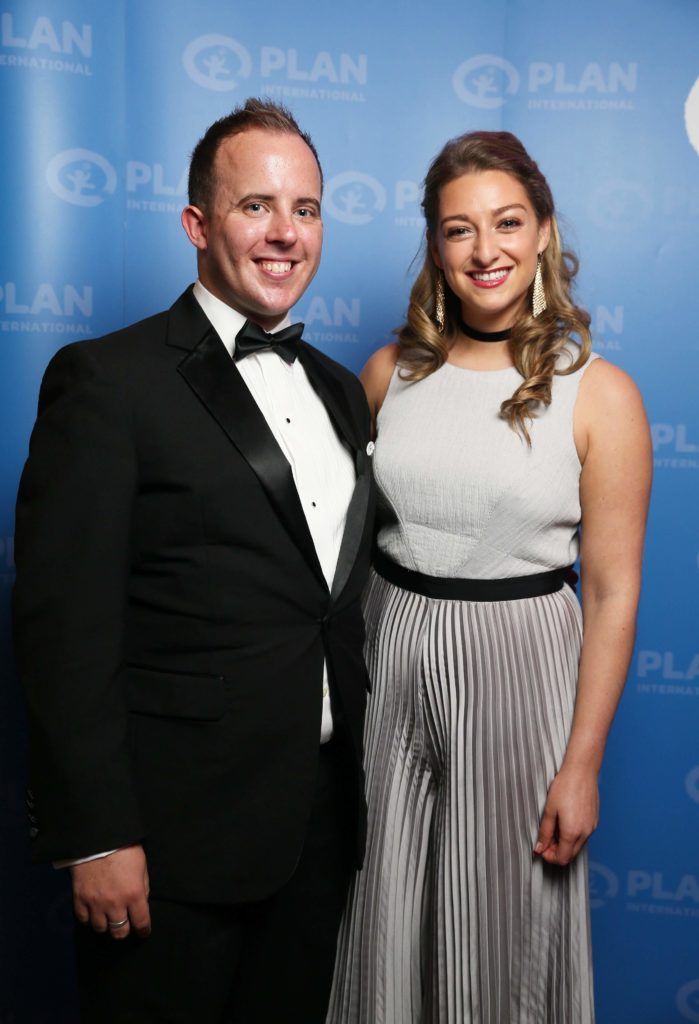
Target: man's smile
275, 267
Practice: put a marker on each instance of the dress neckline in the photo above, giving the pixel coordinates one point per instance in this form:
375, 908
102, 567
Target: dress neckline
482, 373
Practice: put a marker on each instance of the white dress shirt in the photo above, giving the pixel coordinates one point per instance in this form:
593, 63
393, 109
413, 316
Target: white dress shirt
322, 467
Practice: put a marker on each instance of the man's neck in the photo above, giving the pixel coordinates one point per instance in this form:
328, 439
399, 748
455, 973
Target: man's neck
267, 323
224, 318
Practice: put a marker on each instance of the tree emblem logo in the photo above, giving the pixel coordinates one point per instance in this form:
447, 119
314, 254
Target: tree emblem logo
687, 1001
485, 81
81, 177
216, 62
604, 885
691, 784
354, 197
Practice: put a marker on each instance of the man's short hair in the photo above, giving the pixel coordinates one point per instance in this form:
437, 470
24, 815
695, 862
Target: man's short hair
255, 113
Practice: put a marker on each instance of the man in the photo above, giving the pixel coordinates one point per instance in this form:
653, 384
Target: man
193, 532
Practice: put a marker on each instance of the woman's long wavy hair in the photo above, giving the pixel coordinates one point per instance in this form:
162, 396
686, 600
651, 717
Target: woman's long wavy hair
535, 343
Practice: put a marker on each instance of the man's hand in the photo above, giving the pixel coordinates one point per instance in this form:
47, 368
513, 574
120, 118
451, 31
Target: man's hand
113, 889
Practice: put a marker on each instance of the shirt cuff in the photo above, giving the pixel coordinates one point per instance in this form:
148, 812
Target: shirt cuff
83, 860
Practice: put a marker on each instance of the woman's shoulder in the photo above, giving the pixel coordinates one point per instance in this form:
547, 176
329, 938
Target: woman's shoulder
607, 385
609, 407
377, 373
609, 381
593, 385
383, 361
611, 424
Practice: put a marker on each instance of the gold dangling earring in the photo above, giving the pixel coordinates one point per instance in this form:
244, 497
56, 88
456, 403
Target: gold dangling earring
538, 293
439, 310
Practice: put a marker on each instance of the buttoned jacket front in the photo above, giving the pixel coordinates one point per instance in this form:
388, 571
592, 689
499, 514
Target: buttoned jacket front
171, 615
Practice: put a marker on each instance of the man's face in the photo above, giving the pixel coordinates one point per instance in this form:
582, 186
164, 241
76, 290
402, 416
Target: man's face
260, 240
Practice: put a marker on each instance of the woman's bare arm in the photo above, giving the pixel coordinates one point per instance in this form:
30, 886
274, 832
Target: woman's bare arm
376, 376
614, 444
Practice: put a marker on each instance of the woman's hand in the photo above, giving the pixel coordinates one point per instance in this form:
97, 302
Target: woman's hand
570, 815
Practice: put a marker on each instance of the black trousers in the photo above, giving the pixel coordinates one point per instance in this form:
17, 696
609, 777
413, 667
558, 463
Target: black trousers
262, 963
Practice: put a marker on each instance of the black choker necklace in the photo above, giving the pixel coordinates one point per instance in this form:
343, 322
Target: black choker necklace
471, 332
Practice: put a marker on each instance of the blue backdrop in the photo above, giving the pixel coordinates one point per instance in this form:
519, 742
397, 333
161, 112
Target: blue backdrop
102, 105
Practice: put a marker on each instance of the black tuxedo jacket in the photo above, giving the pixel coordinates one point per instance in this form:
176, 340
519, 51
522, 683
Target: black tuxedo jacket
171, 615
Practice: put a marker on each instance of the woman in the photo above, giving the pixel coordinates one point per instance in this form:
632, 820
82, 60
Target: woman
497, 434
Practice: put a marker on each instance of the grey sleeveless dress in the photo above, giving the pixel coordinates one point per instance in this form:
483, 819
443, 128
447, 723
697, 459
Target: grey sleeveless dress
453, 920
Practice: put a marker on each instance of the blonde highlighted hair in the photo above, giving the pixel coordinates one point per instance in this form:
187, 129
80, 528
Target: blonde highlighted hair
535, 343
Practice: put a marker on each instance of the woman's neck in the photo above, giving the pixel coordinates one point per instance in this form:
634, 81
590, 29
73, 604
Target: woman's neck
471, 354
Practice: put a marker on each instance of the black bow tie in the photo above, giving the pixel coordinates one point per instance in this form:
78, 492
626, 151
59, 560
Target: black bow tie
251, 338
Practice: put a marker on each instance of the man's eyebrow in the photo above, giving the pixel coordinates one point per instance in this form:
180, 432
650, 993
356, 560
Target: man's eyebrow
308, 201
495, 213
259, 197
254, 197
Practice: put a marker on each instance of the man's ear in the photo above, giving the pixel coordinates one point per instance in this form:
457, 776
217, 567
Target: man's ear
195, 225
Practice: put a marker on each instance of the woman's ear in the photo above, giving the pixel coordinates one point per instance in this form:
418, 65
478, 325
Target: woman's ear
434, 252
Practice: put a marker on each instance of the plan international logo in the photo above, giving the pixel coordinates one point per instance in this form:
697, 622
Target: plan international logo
331, 320
645, 892
353, 197
42, 44
687, 1001
151, 189
674, 446
691, 784
488, 82
216, 62
81, 177
46, 307
220, 63
667, 673
607, 328
485, 81
604, 885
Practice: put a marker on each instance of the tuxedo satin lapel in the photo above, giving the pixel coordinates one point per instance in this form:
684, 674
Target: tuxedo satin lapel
212, 375
187, 322
354, 527
330, 392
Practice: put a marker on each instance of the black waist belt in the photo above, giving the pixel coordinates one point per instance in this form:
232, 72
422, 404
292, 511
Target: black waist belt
513, 589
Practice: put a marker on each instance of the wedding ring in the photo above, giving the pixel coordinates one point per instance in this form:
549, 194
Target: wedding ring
117, 924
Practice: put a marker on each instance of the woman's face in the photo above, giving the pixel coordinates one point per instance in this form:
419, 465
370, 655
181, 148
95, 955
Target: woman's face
486, 241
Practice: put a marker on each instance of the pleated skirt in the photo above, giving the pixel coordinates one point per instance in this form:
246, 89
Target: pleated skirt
453, 920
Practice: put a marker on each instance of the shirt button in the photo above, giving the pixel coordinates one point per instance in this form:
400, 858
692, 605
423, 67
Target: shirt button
288, 420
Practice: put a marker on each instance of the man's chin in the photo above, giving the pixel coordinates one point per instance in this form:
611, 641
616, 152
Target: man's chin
267, 318
275, 311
